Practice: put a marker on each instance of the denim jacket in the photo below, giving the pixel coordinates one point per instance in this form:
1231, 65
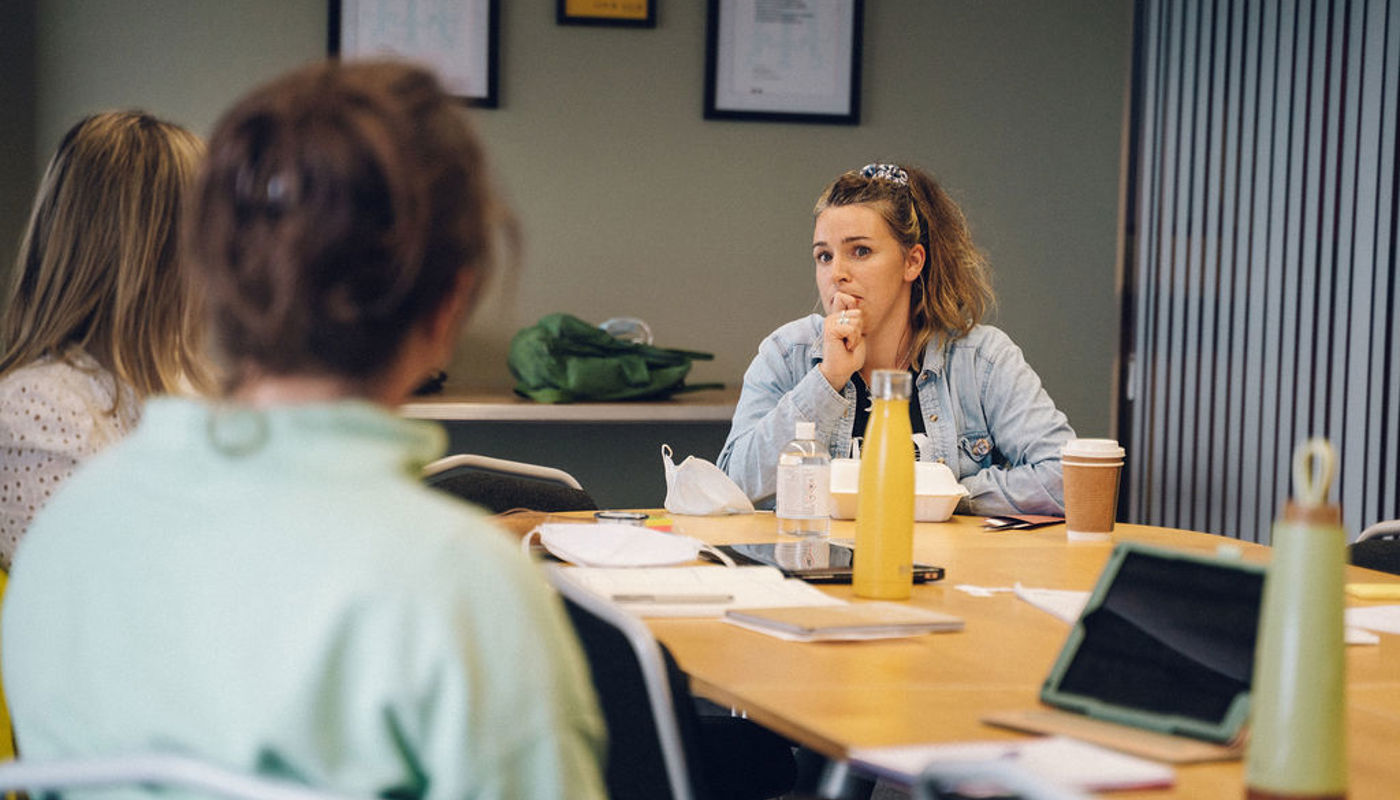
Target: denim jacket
985, 412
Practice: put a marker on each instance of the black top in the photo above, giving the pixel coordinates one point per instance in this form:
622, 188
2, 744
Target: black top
916, 416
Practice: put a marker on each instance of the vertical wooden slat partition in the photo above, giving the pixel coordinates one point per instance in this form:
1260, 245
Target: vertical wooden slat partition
1260, 286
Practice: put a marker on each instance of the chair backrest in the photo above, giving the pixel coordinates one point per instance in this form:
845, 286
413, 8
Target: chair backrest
987, 779
149, 772
499, 484
1378, 547
652, 725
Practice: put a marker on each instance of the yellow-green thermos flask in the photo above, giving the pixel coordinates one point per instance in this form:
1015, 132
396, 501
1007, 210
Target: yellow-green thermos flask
1297, 747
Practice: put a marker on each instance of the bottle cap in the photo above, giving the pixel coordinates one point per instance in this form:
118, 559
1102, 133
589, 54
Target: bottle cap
806, 430
891, 384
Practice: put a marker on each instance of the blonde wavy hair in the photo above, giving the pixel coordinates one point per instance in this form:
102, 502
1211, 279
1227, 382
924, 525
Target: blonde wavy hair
954, 291
99, 266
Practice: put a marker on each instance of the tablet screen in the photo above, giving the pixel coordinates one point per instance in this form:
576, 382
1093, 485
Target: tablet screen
1166, 642
815, 560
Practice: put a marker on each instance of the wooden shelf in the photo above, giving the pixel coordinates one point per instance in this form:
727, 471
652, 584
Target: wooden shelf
707, 405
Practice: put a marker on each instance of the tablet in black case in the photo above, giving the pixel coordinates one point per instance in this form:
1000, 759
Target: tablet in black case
1166, 643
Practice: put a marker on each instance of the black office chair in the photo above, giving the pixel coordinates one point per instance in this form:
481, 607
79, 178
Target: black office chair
1378, 548
498, 484
157, 774
659, 747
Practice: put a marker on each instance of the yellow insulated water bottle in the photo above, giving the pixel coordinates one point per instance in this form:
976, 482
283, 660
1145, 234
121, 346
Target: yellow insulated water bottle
1297, 746
884, 558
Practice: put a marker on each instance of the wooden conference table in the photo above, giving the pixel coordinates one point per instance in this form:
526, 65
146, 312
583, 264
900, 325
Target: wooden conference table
834, 697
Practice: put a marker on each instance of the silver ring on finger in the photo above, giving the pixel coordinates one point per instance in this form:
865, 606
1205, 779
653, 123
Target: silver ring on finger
842, 320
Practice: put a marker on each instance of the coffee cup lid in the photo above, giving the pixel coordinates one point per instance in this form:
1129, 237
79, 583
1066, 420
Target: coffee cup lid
1092, 448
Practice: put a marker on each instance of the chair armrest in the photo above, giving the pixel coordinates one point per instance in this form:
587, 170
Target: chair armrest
1386, 529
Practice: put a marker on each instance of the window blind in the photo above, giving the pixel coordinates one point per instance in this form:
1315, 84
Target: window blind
1260, 286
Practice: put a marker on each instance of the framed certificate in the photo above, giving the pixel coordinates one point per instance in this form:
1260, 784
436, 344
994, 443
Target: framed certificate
625, 13
458, 39
789, 61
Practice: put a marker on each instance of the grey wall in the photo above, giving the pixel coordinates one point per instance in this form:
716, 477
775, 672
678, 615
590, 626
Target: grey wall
633, 204
182, 59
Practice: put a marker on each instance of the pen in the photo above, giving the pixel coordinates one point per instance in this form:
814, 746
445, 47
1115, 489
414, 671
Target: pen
673, 598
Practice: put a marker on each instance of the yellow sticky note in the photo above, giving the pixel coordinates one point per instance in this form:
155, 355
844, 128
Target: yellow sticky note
1374, 591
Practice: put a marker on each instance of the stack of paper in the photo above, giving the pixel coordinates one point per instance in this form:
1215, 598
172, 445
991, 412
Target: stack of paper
706, 591
1063, 761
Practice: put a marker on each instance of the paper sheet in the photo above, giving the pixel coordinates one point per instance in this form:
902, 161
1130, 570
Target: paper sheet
1064, 604
1065, 761
1360, 636
1385, 619
982, 591
1067, 605
706, 591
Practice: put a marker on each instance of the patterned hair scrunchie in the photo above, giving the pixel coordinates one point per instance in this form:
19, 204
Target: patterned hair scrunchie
885, 172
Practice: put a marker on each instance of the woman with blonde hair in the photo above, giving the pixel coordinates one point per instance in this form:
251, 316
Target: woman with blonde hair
99, 315
902, 287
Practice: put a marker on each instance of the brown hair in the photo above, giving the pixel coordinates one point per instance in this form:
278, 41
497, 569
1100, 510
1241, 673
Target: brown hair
338, 206
953, 292
99, 265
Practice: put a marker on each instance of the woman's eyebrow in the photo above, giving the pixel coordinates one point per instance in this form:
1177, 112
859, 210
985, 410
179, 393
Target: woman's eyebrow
846, 240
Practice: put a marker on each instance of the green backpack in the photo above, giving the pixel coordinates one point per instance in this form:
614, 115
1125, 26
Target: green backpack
562, 359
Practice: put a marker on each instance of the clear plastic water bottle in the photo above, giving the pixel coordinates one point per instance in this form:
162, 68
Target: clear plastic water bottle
804, 485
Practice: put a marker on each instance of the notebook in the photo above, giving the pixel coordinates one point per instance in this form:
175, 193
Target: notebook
856, 621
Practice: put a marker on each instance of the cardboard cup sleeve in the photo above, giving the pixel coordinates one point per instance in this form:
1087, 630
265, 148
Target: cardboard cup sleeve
1091, 471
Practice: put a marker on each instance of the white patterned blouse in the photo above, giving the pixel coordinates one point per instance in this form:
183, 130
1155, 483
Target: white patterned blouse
54, 413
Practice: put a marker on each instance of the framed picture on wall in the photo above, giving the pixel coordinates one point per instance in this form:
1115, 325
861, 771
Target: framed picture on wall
459, 39
790, 61
625, 13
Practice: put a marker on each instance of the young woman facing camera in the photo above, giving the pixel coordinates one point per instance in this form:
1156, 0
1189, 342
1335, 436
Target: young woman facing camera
902, 287
98, 316
263, 581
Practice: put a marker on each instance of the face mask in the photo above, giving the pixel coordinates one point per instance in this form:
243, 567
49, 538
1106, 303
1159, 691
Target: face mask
701, 488
613, 544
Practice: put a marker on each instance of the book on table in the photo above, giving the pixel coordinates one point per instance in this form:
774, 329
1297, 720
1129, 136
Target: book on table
852, 621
